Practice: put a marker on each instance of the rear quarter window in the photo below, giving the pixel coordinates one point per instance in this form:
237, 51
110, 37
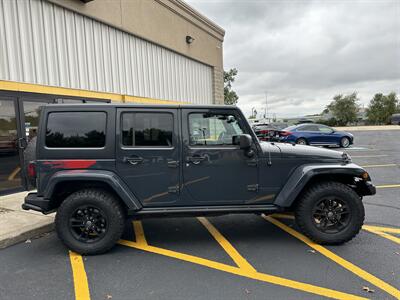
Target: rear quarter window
76, 130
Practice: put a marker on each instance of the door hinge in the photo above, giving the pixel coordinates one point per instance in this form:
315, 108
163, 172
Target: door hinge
173, 189
252, 163
252, 187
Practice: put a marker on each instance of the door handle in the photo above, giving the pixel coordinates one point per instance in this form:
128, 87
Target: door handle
133, 160
195, 159
22, 144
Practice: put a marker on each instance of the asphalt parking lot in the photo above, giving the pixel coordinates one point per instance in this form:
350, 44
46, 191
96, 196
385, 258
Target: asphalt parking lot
228, 257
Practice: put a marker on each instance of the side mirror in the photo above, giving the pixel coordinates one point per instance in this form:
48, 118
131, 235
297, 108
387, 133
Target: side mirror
244, 141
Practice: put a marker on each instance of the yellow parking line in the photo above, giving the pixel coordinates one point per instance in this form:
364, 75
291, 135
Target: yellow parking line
242, 272
337, 259
240, 261
379, 166
139, 232
283, 216
388, 186
385, 235
81, 285
305, 287
382, 228
13, 173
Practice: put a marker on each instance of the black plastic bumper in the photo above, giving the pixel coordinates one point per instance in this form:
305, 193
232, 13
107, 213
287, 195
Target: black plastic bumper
366, 188
37, 203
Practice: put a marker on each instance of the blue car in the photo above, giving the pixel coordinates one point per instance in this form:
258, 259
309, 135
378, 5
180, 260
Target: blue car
316, 134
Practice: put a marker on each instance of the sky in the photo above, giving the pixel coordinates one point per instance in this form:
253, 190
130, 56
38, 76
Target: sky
303, 53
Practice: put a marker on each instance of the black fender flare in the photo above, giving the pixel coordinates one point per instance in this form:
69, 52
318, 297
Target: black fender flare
110, 178
303, 174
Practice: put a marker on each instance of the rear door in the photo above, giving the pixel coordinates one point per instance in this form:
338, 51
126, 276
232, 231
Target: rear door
148, 154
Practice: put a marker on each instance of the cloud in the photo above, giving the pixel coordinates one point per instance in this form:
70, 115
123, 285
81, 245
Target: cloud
305, 52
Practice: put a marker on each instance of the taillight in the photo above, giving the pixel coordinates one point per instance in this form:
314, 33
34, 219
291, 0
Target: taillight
32, 170
285, 133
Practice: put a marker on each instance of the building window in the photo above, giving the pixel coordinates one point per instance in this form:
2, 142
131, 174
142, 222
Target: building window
76, 130
147, 129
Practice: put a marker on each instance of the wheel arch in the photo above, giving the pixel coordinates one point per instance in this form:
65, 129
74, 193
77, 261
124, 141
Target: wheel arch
64, 183
305, 176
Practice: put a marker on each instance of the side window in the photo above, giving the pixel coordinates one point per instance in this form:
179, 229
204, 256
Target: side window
206, 129
147, 129
309, 128
76, 130
325, 129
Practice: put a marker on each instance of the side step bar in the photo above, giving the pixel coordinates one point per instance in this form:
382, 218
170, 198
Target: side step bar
204, 210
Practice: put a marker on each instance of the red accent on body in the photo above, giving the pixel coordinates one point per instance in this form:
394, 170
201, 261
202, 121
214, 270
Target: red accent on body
70, 164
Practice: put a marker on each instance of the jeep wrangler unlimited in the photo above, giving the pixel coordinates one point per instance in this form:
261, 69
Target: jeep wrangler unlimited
97, 164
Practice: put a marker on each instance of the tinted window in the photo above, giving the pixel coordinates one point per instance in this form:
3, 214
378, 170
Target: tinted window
76, 130
213, 129
309, 128
325, 129
147, 129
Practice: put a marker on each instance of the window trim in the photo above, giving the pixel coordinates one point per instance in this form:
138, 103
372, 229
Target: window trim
215, 147
126, 147
76, 148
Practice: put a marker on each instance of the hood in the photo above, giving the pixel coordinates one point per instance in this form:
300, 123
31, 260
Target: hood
294, 151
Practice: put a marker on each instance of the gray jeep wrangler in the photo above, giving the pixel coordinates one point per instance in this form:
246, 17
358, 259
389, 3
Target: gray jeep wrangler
98, 164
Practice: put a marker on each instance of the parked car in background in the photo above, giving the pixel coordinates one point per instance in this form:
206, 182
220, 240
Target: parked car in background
395, 119
269, 132
316, 134
304, 121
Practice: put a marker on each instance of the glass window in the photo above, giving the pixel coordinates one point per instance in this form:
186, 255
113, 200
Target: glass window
147, 129
213, 129
76, 130
309, 128
325, 129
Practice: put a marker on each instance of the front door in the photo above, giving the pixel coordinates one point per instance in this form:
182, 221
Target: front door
148, 153
215, 170
10, 146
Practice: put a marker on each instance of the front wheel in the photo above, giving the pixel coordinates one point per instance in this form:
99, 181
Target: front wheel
330, 213
90, 221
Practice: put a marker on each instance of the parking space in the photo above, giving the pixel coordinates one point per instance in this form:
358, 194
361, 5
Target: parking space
228, 257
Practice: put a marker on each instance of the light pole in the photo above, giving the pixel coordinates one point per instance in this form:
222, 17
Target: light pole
266, 107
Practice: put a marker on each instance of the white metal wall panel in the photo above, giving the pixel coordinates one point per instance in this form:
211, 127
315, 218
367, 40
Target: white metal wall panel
46, 44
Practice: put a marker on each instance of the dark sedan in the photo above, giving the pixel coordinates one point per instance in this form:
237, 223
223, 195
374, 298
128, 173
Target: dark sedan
316, 134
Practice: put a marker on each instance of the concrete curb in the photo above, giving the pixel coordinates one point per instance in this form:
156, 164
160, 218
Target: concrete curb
368, 128
23, 235
18, 225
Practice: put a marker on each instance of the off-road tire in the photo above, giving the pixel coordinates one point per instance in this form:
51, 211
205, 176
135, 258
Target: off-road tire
301, 141
342, 142
101, 199
304, 207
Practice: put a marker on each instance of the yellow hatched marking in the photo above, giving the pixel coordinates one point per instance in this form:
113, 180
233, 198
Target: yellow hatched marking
388, 186
381, 228
337, 259
305, 287
384, 235
81, 285
139, 233
229, 249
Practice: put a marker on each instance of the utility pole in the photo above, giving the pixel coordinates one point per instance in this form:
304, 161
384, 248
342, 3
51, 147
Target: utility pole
266, 107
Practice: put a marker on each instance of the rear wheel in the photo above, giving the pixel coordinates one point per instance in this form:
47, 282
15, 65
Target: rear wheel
301, 141
345, 142
330, 213
90, 221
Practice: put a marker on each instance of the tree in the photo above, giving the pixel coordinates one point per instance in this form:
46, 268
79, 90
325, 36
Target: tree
344, 108
230, 96
381, 107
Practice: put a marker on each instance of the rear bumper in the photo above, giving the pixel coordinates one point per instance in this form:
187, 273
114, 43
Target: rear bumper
37, 203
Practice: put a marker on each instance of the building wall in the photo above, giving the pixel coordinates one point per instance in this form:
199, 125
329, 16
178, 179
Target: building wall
46, 44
